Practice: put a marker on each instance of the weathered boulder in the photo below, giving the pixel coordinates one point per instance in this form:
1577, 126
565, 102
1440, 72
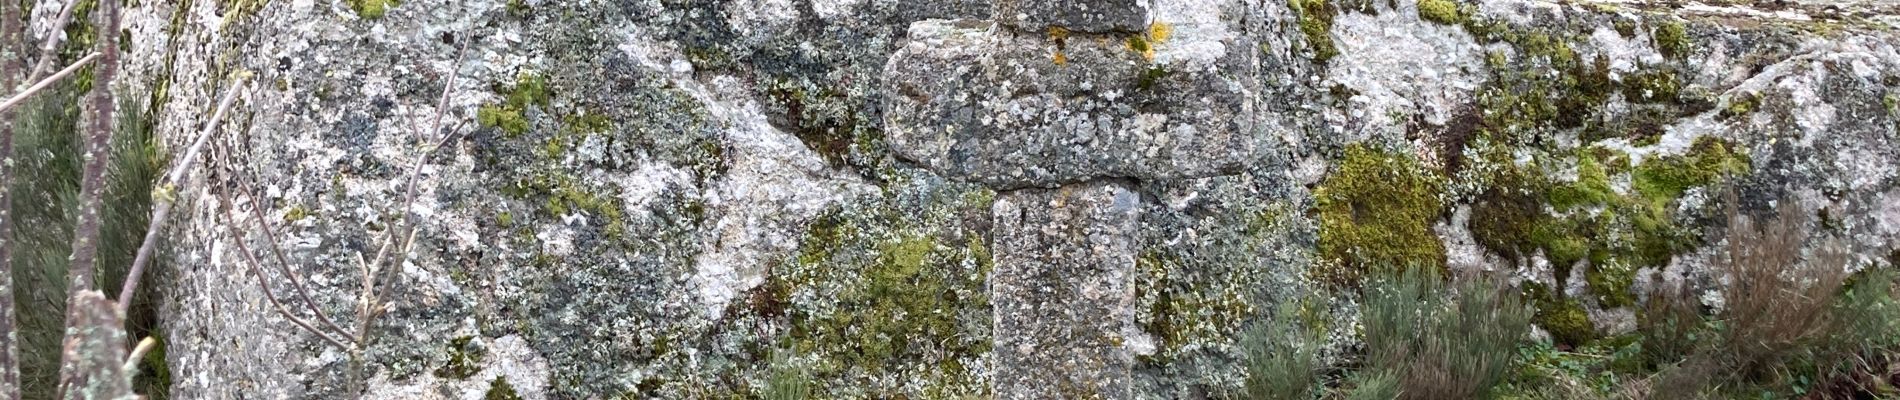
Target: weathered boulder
1011, 109
1101, 16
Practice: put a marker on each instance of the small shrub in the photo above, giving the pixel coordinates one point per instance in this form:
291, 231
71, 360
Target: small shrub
1442, 343
787, 382
1282, 359
1671, 323
1775, 305
1374, 386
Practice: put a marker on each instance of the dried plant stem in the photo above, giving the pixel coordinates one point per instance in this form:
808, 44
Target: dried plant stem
44, 83
169, 187
296, 282
97, 153
250, 259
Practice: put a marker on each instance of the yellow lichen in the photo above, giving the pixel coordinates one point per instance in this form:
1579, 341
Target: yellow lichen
1159, 32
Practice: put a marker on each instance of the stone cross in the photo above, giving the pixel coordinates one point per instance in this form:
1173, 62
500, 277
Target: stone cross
1061, 105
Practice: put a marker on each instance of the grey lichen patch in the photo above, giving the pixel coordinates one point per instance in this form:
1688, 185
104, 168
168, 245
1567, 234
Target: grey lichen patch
1064, 303
1096, 16
1107, 112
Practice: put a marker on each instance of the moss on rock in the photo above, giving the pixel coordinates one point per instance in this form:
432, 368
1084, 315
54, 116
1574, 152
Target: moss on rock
464, 360
1316, 22
1440, 11
1564, 318
1376, 210
372, 9
499, 389
1672, 39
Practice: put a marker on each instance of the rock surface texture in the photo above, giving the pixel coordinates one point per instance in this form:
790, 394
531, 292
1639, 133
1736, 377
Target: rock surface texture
968, 198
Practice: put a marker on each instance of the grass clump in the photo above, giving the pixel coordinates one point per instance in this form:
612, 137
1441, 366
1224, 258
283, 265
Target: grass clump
1439, 341
48, 160
787, 382
1282, 359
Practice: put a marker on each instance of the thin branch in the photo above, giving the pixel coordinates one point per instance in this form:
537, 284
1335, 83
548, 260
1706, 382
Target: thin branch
44, 83
164, 207
54, 34
283, 263
251, 261
415, 171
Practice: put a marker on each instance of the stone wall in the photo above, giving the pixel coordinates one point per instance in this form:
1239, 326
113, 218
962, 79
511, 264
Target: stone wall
931, 199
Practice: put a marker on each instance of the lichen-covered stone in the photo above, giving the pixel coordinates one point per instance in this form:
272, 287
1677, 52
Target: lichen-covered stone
1062, 291
1097, 16
1032, 110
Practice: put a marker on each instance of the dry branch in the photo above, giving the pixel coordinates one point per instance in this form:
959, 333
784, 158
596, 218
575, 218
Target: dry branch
296, 282
163, 209
250, 259
44, 83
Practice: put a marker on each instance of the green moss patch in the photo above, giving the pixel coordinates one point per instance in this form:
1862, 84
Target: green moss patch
1672, 39
1587, 221
499, 389
464, 360
561, 195
1440, 11
1316, 22
372, 9
510, 116
1375, 211
878, 295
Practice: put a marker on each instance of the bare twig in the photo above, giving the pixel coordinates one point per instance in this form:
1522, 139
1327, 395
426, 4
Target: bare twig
54, 34
169, 188
371, 301
284, 264
44, 83
250, 259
